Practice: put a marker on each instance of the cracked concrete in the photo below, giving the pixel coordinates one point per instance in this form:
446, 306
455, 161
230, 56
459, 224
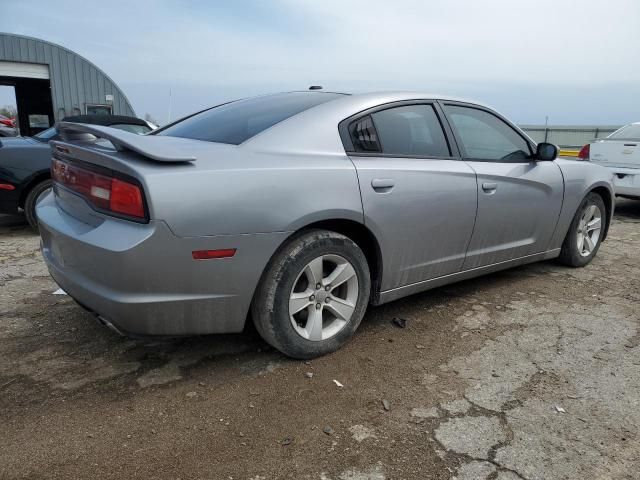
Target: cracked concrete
471, 435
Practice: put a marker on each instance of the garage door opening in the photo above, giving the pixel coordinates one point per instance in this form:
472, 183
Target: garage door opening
32, 93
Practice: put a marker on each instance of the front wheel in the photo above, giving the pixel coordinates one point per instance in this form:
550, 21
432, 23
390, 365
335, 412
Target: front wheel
313, 295
585, 233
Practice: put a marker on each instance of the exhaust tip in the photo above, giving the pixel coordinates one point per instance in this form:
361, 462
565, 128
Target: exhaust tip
110, 326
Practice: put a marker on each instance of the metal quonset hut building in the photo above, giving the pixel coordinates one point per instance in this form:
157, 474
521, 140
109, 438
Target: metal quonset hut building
52, 82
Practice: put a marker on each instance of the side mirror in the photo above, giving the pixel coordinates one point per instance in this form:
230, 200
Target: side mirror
546, 152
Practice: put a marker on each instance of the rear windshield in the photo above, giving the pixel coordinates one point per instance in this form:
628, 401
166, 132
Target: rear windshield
238, 121
630, 131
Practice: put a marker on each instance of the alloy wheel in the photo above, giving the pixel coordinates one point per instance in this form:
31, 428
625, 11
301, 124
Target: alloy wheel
589, 229
323, 297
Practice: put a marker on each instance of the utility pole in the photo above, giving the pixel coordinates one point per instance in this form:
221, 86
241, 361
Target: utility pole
169, 114
546, 127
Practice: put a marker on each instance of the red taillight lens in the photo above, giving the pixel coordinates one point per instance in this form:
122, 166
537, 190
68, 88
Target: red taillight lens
583, 154
126, 198
102, 191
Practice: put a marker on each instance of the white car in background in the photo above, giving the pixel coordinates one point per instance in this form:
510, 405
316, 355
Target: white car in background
620, 152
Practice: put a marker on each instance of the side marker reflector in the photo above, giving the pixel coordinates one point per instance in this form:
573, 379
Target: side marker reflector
209, 254
6, 186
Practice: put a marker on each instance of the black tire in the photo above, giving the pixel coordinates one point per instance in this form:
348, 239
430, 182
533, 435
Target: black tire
569, 255
32, 199
270, 307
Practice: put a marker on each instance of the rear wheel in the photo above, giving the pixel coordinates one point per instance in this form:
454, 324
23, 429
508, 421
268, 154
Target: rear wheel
31, 201
313, 295
585, 233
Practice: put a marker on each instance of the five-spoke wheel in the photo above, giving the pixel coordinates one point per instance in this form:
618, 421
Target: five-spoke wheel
323, 297
589, 230
585, 233
313, 295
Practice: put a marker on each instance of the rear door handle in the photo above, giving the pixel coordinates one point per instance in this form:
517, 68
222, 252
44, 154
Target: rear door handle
383, 185
489, 187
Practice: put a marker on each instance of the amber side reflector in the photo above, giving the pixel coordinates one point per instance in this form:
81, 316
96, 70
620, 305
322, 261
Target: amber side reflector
210, 254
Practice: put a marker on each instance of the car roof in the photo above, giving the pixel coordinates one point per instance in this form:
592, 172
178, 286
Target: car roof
402, 95
388, 96
315, 129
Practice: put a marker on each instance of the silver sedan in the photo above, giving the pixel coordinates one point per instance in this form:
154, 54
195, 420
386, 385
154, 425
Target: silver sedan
300, 209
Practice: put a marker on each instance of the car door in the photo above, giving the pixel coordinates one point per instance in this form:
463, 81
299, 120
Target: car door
519, 198
418, 198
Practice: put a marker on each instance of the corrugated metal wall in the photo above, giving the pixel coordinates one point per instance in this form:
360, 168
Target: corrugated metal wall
569, 136
74, 80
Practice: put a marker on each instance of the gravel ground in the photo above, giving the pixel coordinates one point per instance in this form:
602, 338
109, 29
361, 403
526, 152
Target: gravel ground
532, 373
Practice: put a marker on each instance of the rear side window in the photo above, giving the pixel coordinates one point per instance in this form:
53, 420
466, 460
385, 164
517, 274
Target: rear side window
238, 121
412, 130
630, 132
486, 137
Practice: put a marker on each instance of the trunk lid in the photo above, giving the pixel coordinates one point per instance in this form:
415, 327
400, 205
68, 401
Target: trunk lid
137, 159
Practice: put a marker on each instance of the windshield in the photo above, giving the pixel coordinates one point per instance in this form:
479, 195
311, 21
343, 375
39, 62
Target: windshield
238, 121
629, 131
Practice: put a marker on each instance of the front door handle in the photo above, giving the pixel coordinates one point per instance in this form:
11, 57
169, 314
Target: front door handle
383, 185
489, 187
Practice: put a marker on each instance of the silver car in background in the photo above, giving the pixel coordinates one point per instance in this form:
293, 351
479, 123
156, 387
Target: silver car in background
620, 153
299, 209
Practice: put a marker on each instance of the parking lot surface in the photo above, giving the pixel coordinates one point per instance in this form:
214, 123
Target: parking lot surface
531, 373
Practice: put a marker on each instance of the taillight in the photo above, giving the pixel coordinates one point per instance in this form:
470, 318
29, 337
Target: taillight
104, 192
583, 154
126, 198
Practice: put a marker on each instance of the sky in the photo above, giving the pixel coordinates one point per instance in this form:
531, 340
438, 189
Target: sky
575, 62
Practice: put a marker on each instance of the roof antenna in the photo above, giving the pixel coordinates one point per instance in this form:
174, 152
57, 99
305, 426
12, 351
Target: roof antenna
315, 87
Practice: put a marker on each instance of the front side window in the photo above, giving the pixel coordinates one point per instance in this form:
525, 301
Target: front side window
412, 130
238, 121
486, 137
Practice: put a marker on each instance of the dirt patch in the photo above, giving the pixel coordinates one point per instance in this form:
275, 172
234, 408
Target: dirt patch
529, 373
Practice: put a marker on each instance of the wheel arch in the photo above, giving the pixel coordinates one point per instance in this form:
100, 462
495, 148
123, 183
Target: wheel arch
38, 177
608, 199
356, 231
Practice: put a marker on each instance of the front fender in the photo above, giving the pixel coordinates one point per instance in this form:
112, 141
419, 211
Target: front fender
580, 178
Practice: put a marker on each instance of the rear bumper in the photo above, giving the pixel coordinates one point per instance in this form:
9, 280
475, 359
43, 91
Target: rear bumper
142, 279
626, 181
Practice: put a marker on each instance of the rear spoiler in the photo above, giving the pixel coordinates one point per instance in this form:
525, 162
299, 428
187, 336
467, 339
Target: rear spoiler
152, 147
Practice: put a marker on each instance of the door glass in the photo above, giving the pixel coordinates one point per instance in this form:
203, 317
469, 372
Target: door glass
485, 137
412, 130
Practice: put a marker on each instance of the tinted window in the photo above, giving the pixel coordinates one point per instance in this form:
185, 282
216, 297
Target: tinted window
364, 136
630, 131
412, 130
485, 137
238, 121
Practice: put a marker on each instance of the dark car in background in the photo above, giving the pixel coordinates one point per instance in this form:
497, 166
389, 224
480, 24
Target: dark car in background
25, 162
